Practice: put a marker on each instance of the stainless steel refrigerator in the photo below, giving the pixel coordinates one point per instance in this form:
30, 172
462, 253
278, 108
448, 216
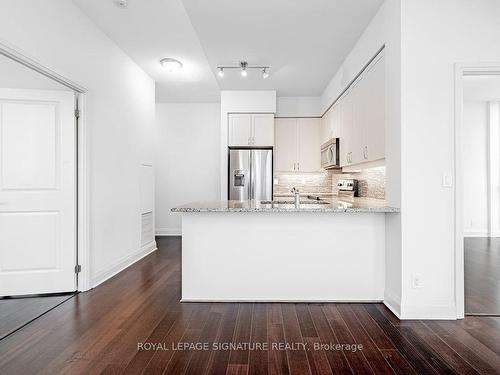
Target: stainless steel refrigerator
250, 174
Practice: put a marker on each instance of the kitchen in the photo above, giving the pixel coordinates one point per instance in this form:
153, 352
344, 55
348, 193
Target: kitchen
263, 187
313, 183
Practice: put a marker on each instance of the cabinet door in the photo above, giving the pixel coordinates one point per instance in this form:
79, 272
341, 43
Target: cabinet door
240, 129
375, 112
309, 153
324, 124
285, 147
263, 129
345, 107
358, 137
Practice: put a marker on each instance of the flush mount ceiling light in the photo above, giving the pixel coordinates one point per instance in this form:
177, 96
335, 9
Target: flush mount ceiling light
244, 67
170, 65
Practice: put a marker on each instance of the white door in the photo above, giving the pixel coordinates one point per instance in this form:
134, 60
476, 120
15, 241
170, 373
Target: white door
308, 130
37, 192
240, 129
285, 150
263, 130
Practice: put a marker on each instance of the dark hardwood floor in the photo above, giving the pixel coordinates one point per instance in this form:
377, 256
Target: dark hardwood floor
16, 312
482, 275
100, 331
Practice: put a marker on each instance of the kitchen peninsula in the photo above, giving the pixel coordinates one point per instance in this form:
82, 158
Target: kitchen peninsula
331, 250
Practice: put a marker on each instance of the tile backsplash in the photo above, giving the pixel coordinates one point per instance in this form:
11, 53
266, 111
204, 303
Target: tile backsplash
371, 182
307, 183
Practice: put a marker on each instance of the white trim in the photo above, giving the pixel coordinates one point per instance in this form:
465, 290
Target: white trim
480, 233
168, 231
123, 263
434, 312
83, 168
393, 304
276, 300
83, 194
462, 69
15, 54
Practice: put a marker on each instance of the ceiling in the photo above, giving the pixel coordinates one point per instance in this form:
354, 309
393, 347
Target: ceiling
482, 87
304, 42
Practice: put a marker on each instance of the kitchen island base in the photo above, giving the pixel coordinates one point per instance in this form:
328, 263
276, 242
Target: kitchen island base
282, 257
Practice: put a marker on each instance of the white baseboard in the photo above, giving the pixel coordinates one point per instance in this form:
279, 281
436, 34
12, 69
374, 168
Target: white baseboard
410, 312
432, 312
123, 263
481, 233
393, 304
168, 231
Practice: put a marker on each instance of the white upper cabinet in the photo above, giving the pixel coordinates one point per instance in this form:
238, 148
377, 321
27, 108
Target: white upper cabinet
297, 146
309, 155
358, 117
285, 149
374, 112
240, 129
263, 129
246, 129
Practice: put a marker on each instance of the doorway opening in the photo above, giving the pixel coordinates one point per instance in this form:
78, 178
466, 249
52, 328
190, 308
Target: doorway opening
38, 192
479, 201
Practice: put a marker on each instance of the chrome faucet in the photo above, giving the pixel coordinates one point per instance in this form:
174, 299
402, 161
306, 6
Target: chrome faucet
296, 196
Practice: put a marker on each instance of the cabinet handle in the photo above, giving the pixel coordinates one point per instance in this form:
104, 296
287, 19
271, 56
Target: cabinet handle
365, 152
298, 166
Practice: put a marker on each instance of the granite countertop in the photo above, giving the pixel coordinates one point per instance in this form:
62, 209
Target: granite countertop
333, 204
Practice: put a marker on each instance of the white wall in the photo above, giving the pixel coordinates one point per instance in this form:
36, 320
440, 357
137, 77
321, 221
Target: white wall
298, 106
475, 168
435, 35
187, 159
120, 117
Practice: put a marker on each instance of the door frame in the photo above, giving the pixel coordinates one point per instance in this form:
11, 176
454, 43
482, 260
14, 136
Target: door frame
462, 69
82, 161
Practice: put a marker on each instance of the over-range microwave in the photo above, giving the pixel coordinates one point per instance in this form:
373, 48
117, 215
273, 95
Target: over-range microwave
330, 154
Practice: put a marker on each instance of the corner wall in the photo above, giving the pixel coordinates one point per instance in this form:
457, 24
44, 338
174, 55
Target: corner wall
384, 29
436, 35
120, 108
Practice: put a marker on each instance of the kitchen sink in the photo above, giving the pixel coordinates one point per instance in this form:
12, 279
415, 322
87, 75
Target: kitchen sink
292, 202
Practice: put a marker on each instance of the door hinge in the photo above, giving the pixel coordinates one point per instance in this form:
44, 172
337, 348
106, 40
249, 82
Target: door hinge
78, 268
77, 113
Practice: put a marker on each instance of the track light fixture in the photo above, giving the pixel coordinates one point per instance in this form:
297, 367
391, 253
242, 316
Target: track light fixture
244, 67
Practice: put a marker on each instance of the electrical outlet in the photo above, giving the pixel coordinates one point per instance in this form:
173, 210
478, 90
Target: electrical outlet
276, 181
447, 181
416, 281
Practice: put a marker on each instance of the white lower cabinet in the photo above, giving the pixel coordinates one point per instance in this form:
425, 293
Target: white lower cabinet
297, 145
